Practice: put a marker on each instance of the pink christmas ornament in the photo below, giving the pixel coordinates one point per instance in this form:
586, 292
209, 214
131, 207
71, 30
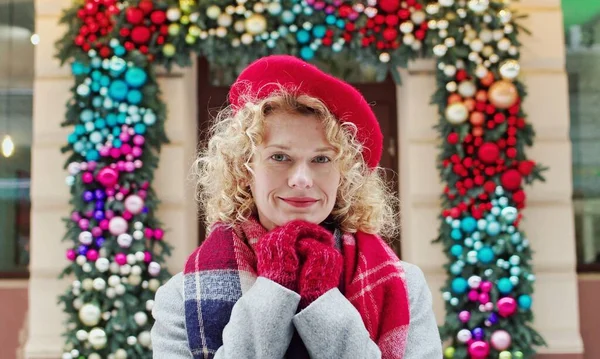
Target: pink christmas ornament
489, 306
121, 166
473, 295
103, 224
96, 231
110, 192
108, 177
115, 153
507, 306
142, 194
484, 298
500, 340
138, 140
125, 149
109, 214
134, 204
104, 151
486, 286
71, 255
145, 185
147, 257
92, 165
464, 316
89, 214
479, 349
92, 255
84, 224
75, 216
124, 137
120, 258
159, 233
127, 215
87, 177
84, 166
117, 225
138, 163
129, 167
136, 152
148, 233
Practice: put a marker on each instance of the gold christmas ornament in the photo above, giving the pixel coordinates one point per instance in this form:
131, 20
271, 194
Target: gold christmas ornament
510, 69
467, 89
213, 12
186, 5
457, 113
503, 94
256, 24
224, 20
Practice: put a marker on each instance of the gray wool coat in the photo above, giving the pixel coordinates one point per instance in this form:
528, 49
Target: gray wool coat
264, 320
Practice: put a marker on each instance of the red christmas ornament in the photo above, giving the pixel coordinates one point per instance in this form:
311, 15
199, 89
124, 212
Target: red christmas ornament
91, 8
488, 153
420, 34
526, 167
479, 180
455, 213
134, 15
124, 32
105, 52
461, 75
511, 141
79, 40
389, 6
489, 186
404, 14
391, 20
344, 11
146, 6
519, 196
511, 152
511, 180
390, 34
140, 35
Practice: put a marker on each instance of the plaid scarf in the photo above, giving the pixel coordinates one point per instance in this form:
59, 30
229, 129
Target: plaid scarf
223, 268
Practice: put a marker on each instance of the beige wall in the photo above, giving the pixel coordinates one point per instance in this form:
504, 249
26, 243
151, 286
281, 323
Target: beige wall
549, 216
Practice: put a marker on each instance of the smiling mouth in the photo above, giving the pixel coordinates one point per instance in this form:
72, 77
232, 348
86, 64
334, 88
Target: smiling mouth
299, 202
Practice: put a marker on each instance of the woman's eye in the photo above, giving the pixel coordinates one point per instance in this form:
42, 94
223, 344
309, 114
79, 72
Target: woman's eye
279, 157
322, 159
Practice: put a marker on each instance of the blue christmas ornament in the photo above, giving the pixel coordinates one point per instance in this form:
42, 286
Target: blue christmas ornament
117, 66
95, 87
330, 19
493, 228
118, 90
82, 250
340, 23
319, 31
485, 255
104, 81
100, 123
96, 75
100, 241
89, 127
505, 286
121, 118
86, 115
134, 97
139, 128
72, 138
149, 118
79, 130
135, 77
307, 53
456, 250
456, 234
120, 51
92, 155
459, 285
78, 147
96, 137
303, 36
468, 224
111, 120
455, 269
493, 318
83, 90
117, 143
525, 301
476, 236
456, 223
478, 333
116, 131
288, 17
88, 196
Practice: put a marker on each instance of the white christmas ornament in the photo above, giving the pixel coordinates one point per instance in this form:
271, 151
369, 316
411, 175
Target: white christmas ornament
89, 314
154, 269
99, 284
457, 113
136, 270
418, 17
134, 204
94, 356
449, 70
139, 235
479, 6
246, 39
477, 45
87, 284
451, 86
220, 32
408, 39
173, 14
102, 264
153, 284
467, 89
120, 290
463, 335
67, 356
114, 267
81, 260
213, 12
140, 318
97, 338
120, 354
117, 225
75, 353
481, 71
504, 44
81, 335
149, 305
114, 280
86, 267
131, 259
440, 50
384, 57
125, 269
124, 240
135, 280
406, 27
224, 20
131, 340
144, 338
446, 3
110, 293
86, 238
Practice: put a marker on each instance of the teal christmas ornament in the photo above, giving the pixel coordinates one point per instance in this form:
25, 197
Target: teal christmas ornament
271, 43
117, 143
79, 130
505, 286
77, 68
472, 257
459, 285
139, 128
95, 87
111, 120
330, 19
303, 36
493, 228
515, 238
499, 191
72, 138
116, 131
96, 137
485, 255
104, 81
86, 115
135, 77
509, 214
482, 224
455, 269
96, 63
340, 23
456, 250
307, 53
97, 102
89, 127
288, 17
456, 223
120, 51
469, 242
525, 301
78, 147
121, 118
96, 75
83, 90
118, 90
319, 31
515, 271
149, 118
92, 155
264, 36
476, 236
308, 10
456, 234
468, 224
100, 123
283, 31
134, 97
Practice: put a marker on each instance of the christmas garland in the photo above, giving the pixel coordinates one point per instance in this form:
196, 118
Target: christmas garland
117, 117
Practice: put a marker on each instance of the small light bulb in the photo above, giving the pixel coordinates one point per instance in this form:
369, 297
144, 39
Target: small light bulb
8, 147
35, 39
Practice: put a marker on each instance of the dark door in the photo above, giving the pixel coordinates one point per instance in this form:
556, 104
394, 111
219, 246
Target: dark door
381, 95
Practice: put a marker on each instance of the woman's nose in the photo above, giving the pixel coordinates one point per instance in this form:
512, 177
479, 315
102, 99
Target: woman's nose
300, 177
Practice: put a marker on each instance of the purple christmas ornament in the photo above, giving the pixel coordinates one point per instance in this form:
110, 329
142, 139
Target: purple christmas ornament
99, 215
478, 333
82, 250
88, 196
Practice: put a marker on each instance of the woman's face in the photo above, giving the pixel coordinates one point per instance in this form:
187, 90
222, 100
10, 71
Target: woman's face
294, 173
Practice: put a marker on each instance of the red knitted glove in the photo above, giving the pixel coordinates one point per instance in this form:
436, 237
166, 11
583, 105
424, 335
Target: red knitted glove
276, 255
322, 266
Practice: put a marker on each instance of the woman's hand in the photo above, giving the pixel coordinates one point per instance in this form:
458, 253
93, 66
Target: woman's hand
276, 256
322, 266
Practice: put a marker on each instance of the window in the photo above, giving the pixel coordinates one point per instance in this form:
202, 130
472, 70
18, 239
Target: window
16, 103
582, 34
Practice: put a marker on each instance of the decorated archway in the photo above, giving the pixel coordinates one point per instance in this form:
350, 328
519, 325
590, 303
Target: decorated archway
118, 245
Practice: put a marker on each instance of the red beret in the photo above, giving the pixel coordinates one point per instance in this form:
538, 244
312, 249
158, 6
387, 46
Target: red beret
265, 76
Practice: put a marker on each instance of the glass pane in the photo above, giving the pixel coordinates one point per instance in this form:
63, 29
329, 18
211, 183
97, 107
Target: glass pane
16, 103
582, 34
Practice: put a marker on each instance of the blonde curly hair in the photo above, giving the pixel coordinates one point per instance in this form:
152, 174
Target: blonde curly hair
364, 202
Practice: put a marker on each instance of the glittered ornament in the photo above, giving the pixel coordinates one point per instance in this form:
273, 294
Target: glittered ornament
97, 338
509, 69
503, 94
500, 340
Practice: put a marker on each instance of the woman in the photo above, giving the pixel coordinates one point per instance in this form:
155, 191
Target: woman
294, 266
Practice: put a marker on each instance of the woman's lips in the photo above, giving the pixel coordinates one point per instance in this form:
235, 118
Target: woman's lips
301, 202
